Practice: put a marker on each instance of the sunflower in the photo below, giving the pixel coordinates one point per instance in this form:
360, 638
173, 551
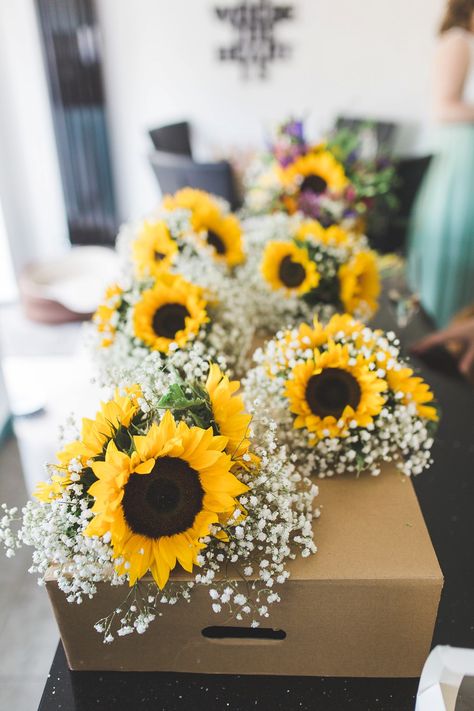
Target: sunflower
286, 266
224, 235
360, 283
112, 422
411, 389
312, 230
331, 391
220, 231
154, 249
107, 314
172, 311
158, 503
198, 202
315, 173
228, 411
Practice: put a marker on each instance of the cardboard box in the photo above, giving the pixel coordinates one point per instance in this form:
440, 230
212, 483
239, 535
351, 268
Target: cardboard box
364, 605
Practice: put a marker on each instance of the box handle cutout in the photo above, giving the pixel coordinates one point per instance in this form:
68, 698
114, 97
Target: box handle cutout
266, 634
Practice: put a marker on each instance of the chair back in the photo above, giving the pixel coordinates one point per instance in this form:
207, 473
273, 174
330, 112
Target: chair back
384, 132
410, 174
173, 138
175, 172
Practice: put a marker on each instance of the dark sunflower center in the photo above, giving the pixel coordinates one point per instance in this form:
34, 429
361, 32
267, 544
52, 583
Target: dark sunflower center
314, 184
159, 256
169, 319
292, 274
328, 393
164, 502
215, 241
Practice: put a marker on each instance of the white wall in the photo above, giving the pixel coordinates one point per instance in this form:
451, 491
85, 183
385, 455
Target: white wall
363, 57
30, 188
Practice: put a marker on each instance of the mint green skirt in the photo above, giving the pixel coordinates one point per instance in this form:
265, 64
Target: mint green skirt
441, 235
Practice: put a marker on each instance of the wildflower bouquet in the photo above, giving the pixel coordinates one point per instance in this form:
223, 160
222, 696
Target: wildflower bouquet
344, 399
333, 182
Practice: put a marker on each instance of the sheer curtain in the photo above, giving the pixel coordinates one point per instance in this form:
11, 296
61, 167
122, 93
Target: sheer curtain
8, 290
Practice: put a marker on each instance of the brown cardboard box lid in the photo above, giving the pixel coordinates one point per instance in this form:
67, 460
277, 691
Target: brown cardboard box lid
370, 528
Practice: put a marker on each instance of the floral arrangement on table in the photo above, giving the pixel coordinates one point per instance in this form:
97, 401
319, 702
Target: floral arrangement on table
192, 233
297, 269
171, 473
323, 266
178, 290
344, 399
190, 225
332, 182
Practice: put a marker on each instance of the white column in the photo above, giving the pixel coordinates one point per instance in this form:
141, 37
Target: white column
30, 185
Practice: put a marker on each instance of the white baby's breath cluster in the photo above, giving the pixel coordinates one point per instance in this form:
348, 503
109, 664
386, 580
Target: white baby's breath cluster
279, 507
397, 434
262, 187
60, 550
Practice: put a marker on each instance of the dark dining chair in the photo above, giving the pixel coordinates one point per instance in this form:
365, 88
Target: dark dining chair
384, 131
392, 236
174, 138
174, 172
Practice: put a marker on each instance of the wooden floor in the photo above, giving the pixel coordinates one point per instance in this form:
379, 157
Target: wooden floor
28, 633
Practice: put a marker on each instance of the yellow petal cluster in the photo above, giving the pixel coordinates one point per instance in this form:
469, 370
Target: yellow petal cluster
413, 389
215, 229
95, 435
313, 231
360, 284
105, 316
154, 250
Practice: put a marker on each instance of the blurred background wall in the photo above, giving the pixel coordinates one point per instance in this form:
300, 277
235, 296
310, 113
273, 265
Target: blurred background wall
30, 186
367, 58
357, 57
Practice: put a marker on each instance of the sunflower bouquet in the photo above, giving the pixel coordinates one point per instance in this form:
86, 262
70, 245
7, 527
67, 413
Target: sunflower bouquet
344, 399
296, 268
190, 226
178, 290
169, 477
147, 319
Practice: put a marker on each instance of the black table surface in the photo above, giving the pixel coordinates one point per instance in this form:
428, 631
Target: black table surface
446, 496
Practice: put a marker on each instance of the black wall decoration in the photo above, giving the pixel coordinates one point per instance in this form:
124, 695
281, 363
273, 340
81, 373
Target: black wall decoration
256, 45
